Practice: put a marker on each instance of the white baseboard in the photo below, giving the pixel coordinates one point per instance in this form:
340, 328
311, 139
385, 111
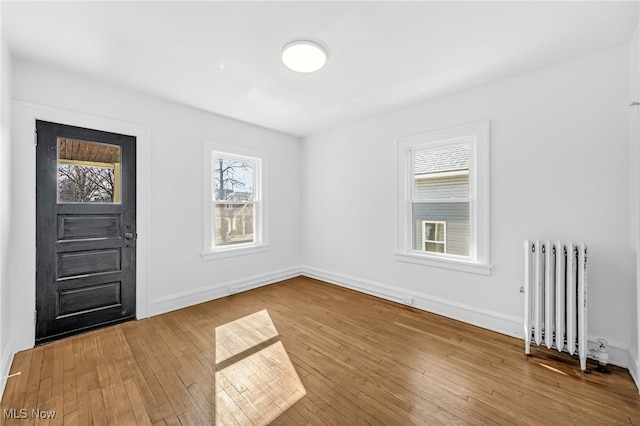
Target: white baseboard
501, 323
5, 364
183, 299
634, 370
494, 321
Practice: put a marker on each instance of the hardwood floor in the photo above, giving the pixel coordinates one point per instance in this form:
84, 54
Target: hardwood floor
308, 353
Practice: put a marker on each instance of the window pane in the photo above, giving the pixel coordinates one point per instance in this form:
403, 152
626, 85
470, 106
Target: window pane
434, 231
441, 173
454, 235
234, 224
88, 172
434, 247
233, 179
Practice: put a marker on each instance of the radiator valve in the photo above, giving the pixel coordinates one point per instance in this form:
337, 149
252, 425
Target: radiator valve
602, 356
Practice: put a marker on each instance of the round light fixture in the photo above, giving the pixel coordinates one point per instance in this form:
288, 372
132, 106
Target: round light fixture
304, 56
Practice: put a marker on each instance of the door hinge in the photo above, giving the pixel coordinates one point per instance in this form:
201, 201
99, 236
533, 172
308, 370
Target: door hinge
35, 316
35, 137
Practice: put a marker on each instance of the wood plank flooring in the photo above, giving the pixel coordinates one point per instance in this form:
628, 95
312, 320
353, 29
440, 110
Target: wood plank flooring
303, 352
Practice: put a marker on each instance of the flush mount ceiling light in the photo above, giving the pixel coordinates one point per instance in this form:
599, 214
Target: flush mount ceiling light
304, 56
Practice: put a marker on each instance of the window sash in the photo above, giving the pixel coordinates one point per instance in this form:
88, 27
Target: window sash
413, 243
256, 224
255, 170
426, 148
219, 242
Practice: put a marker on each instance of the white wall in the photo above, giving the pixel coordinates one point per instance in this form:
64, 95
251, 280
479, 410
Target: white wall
177, 276
559, 169
6, 338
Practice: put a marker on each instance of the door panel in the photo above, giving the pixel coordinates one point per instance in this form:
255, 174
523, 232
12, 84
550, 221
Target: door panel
85, 229
89, 298
89, 226
88, 262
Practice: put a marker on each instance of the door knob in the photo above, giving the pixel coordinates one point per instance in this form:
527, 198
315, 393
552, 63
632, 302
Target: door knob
129, 236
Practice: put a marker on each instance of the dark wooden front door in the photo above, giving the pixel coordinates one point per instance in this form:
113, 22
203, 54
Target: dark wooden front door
85, 229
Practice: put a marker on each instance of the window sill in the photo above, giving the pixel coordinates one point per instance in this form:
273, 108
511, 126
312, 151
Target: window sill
233, 252
454, 264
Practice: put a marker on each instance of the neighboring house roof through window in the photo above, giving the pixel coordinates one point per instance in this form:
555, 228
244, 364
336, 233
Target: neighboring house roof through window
445, 159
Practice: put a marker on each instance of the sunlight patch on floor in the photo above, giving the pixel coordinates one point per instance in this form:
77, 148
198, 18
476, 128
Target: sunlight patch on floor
255, 380
552, 368
241, 335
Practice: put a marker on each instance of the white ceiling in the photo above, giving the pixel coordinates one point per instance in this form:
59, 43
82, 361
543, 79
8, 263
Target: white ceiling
224, 57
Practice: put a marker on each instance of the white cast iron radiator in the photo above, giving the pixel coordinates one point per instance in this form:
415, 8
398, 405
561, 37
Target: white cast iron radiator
555, 297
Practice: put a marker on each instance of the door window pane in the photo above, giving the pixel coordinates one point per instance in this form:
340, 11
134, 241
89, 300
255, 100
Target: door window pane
88, 172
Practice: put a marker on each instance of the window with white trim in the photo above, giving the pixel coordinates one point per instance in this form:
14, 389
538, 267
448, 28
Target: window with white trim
443, 182
234, 213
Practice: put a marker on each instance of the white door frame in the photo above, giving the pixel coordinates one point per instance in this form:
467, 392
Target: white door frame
23, 205
634, 369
